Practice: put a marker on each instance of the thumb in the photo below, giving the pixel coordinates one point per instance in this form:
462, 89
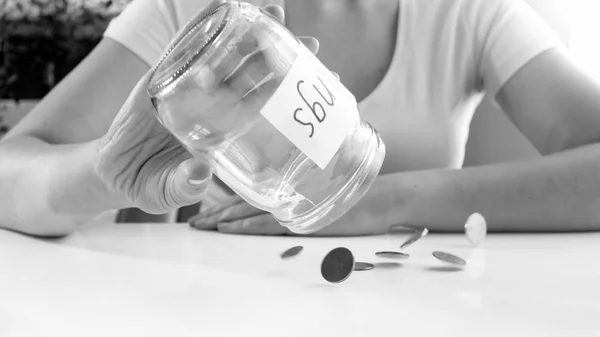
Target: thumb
190, 180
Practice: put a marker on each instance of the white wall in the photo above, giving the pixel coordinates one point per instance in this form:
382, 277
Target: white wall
493, 137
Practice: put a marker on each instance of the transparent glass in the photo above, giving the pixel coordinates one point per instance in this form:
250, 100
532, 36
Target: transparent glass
209, 90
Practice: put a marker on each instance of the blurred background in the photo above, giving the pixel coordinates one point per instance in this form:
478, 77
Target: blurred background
42, 40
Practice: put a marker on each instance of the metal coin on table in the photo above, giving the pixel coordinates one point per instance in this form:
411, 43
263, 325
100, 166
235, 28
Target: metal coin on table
476, 228
392, 255
291, 252
387, 265
362, 266
337, 265
449, 258
416, 237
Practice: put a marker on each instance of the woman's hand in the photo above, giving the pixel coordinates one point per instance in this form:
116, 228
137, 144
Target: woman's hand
369, 216
142, 165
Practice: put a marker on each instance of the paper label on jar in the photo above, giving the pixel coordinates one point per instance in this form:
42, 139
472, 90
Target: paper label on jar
312, 109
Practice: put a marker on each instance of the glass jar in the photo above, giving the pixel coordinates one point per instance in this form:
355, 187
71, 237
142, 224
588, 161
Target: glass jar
236, 87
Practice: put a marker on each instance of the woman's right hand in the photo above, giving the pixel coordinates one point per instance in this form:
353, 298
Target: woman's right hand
142, 165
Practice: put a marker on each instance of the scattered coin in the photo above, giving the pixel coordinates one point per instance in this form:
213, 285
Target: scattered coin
291, 252
392, 255
387, 265
476, 228
337, 265
449, 258
362, 266
445, 269
416, 237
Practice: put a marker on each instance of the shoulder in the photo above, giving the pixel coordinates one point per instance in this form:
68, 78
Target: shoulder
484, 15
146, 27
168, 14
473, 10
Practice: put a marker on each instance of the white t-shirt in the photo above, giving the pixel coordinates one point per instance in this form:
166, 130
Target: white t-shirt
448, 54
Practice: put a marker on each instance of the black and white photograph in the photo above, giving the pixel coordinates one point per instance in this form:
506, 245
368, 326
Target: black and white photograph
299, 168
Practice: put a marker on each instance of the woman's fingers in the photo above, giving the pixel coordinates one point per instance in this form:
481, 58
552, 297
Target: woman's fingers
276, 11
263, 224
311, 43
190, 180
238, 211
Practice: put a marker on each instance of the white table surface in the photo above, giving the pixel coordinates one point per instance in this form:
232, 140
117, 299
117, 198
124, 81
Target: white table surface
170, 280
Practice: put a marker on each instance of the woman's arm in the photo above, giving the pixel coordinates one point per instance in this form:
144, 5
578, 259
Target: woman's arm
94, 143
554, 104
48, 189
558, 108
83, 105
47, 183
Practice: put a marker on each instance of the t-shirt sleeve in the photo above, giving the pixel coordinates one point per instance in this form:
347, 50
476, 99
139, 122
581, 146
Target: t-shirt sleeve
145, 27
509, 34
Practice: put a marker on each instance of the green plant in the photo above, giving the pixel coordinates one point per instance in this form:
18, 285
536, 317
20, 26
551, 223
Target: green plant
43, 40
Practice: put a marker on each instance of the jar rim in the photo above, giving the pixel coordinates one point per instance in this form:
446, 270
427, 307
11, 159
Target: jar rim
187, 47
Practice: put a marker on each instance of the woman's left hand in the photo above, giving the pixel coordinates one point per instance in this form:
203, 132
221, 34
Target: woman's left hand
370, 216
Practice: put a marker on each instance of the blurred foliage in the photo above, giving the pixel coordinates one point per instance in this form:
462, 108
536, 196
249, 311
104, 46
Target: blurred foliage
42, 40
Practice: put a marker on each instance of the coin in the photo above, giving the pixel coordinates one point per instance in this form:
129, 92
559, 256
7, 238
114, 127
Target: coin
337, 265
362, 266
476, 228
291, 252
449, 258
416, 237
387, 265
392, 255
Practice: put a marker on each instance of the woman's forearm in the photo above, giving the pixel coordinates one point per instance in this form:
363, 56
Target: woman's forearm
48, 189
560, 192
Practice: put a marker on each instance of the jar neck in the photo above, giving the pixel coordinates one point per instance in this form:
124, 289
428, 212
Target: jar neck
192, 43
